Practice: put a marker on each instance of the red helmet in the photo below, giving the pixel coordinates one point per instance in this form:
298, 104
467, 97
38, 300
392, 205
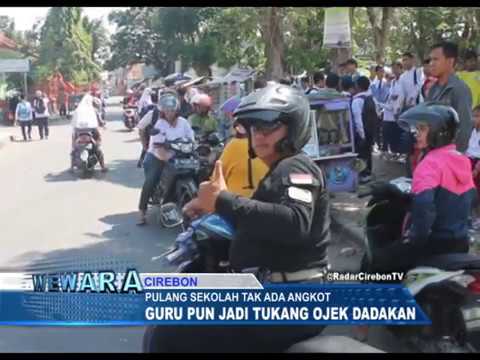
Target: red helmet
202, 100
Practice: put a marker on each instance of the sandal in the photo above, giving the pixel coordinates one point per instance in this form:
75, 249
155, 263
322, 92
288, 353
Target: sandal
142, 221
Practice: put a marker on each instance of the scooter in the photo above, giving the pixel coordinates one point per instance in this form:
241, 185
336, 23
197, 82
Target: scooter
179, 182
130, 117
447, 287
84, 157
204, 247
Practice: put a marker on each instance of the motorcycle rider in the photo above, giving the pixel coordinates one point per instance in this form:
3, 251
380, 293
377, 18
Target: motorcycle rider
130, 100
201, 119
282, 229
170, 126
442, 181
144, 101
85, 120
242, 174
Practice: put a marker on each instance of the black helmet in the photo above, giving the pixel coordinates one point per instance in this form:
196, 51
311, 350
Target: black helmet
441, 119
278, 103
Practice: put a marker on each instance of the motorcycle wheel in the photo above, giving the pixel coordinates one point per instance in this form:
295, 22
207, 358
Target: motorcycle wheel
185, 192
84, 170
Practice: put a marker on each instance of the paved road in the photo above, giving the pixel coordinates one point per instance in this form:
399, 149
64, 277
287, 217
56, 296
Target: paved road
48, 215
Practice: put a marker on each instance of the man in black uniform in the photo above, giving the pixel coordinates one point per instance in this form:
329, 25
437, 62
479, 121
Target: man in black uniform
283, 230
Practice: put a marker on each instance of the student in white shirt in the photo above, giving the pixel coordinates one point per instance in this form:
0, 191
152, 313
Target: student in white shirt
40, 108
391, 110
411, 80
170, 126
363, 136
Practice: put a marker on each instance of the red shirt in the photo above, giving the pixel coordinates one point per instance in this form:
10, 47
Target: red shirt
428, 83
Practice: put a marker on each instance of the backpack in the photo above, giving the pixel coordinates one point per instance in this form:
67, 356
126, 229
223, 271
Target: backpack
149, 127
23, 110
39, 106
370, 117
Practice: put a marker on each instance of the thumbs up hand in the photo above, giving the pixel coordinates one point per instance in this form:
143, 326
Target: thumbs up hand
217, 175
209, 190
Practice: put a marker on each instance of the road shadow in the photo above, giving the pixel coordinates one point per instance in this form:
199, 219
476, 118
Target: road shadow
18, 138
123, 172
59, 122
126, 131
64, 175
123, 246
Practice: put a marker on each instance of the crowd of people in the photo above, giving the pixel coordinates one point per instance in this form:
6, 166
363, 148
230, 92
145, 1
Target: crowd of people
444, 76
276, 196
283, 224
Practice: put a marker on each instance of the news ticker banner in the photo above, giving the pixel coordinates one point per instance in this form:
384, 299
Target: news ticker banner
131, 298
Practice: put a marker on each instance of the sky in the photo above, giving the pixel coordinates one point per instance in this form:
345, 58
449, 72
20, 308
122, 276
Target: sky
25, 17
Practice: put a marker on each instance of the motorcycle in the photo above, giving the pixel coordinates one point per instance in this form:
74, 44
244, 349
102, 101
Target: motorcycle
446, 287
204, 248
84, 157
179, 182
130, 117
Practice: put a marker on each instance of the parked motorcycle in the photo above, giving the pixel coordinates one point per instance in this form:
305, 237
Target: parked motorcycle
130, 117
447, 287
84, 157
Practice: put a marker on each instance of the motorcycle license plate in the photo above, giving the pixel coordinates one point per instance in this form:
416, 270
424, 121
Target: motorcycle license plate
185, 163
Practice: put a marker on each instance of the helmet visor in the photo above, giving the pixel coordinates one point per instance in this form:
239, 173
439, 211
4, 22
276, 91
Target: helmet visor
265, 128
169, 103
258, 116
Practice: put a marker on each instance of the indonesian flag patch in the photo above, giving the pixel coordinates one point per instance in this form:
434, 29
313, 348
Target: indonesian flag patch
301, 179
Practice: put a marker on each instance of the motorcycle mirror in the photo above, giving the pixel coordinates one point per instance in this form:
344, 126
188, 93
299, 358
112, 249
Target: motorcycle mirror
214, 139
170, 216
154, 132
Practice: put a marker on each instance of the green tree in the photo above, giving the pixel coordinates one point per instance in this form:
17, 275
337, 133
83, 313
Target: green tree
236, 33
100, 41
136, 41
7, 25
185, 35
66, 46
304, 39
380, 20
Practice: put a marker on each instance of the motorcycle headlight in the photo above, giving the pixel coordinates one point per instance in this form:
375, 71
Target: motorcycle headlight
175, 147
187, 148
84, 155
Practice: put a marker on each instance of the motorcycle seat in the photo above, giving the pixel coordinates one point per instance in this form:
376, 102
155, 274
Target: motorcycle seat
452, 262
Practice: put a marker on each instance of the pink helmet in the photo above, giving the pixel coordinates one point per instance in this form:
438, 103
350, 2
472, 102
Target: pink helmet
202, 100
